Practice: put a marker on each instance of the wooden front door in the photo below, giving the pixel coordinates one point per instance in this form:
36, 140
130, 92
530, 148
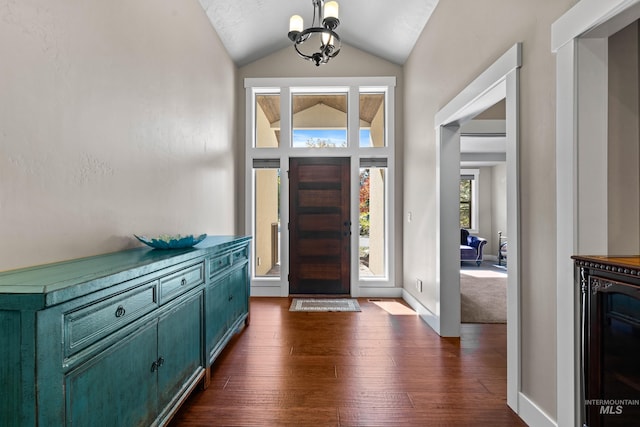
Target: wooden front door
319, 226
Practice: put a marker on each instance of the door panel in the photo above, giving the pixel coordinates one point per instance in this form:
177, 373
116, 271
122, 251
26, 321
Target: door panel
179, 348
117, 387
316, 173
329, 271
320, 222
317, 198
319, 226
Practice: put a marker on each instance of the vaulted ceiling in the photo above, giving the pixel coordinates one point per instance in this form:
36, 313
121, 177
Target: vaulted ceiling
251, 29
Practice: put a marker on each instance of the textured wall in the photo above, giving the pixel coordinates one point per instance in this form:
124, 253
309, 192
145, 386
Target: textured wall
116, 117
446, 58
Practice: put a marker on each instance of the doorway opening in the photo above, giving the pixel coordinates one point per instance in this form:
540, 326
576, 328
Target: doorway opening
483, 217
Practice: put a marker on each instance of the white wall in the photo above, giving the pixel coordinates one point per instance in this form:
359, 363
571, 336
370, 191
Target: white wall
485, 205
492, 206
624, 143
116, 117
446, 58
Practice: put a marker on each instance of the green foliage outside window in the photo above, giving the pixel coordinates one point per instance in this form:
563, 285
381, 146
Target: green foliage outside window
364, 202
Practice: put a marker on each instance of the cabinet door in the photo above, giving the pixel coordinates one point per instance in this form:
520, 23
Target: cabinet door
179, 348
238, 294
116, 387
216, 316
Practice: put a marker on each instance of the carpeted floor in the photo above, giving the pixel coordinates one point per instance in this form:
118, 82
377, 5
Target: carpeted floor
483, 294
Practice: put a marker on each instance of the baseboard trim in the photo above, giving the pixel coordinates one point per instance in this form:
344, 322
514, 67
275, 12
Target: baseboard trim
265, 291
532, 414
425, 314
372, 292
380, 292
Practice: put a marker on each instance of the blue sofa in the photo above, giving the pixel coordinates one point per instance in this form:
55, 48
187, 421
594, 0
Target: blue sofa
471, 247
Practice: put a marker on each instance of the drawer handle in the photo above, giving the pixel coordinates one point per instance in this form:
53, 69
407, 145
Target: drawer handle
120, 311
230, 297
183, 282
160, 361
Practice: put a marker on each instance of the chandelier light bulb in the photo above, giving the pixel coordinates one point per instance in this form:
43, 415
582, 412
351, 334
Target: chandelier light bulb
331, 9
296, 23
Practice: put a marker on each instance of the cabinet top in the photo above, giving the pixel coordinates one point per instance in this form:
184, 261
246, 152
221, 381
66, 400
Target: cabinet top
40, 284
629, 265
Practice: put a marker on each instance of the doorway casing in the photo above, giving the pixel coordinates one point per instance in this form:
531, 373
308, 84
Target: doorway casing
499, 81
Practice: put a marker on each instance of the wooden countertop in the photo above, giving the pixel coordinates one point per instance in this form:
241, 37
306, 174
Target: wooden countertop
621, 261
629, 265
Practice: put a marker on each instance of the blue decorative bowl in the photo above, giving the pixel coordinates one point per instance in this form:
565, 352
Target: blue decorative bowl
167, 241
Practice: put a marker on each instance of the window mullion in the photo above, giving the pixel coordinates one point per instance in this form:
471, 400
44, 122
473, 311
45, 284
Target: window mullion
285, 117
353, 119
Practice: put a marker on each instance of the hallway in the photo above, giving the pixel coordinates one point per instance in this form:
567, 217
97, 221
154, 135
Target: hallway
382, 366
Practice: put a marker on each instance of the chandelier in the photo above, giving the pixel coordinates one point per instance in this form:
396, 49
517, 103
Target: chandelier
321, 33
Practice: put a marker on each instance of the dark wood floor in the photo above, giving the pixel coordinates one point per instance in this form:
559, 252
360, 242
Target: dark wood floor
372, 368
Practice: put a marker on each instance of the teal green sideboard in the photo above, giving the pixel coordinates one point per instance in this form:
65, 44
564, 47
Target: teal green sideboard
119, 339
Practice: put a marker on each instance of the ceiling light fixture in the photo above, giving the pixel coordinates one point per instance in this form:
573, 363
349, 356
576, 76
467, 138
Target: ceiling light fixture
325, 21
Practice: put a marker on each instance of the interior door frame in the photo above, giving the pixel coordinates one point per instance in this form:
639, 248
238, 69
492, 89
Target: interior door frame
579, 38
499, 81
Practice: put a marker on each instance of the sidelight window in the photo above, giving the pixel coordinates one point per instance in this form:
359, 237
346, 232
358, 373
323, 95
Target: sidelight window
372, 218
267, 217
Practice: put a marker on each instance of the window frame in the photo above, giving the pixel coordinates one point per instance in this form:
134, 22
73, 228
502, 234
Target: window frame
279, 286
474, 211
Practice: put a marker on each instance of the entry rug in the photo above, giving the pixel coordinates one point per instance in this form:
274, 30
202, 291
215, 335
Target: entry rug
324, 304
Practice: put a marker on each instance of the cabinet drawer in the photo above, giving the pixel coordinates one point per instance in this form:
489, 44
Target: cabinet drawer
89, 324
175, 284
240, 255
219, 263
